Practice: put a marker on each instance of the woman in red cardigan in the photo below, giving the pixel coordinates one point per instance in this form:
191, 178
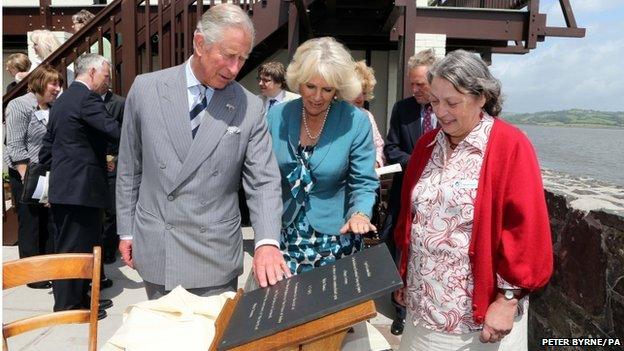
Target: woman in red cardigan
473, 231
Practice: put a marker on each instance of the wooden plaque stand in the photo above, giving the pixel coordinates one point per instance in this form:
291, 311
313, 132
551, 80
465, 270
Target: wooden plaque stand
326, 333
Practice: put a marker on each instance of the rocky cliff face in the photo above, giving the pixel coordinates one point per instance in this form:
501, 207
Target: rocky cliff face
585, 297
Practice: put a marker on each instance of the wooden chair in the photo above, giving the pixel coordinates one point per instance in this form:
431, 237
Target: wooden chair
52, 267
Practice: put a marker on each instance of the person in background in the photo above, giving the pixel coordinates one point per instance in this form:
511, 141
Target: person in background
80, 19
18, 66
74, 148
44, 43
110, 240
190, 134
272, 83
325, 152
410, 118
367, 77
473, 232
26, 119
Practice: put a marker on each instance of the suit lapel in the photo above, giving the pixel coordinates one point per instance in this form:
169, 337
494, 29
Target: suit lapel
222, 109
414, 129
294, 127
174, 104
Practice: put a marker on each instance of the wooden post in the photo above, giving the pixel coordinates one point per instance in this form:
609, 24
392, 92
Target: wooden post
129, 49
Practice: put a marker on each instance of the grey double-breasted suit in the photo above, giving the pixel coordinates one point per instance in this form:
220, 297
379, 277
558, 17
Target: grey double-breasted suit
177, 196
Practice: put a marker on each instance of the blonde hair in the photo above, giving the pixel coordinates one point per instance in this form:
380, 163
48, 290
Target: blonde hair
46, 41
329, 59
367, 77
19, 62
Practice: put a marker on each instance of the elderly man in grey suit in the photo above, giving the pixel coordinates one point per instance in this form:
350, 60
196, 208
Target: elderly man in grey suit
189, 134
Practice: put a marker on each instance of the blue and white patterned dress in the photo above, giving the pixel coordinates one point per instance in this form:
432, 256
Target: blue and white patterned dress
303, 247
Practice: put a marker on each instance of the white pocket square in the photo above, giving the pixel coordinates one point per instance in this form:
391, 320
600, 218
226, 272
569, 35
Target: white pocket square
232, 130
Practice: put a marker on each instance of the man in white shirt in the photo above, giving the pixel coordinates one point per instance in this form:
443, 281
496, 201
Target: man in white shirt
272, 83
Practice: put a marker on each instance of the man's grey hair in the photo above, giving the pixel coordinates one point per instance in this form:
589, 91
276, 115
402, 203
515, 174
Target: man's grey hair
87, 61
422, 58
470, 75
220, 17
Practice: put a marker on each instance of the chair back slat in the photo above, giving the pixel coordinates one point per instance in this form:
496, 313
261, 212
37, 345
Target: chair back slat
53, 267
45, 320
46, 267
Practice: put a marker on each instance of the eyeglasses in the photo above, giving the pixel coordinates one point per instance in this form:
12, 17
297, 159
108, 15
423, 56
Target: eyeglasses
264, 80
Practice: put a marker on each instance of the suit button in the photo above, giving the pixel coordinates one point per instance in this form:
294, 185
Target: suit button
214, 174
202, 229
204, 203
170, 197
168, 226
162, 166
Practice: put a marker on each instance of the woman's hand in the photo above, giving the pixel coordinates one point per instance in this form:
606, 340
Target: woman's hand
358, 224
499, 319
399, 296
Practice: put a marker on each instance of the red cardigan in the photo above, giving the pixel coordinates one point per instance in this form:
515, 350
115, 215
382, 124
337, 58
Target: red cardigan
511, 231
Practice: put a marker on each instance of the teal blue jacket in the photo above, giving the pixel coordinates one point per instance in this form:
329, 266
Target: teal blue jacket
342, 164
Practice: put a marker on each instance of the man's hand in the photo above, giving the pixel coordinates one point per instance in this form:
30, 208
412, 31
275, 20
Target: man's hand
110, 166
399, 296
499, 319
21, 169
269, 266
358, 224
125, 248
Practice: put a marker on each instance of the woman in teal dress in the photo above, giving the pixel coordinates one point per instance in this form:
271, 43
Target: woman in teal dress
326, 155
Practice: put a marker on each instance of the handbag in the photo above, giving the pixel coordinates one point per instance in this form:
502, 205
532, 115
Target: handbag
35, 173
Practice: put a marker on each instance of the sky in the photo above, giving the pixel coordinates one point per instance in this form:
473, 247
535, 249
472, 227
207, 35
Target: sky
565, 73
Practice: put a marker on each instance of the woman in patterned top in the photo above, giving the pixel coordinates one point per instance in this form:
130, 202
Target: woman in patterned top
325, 152
27, 118
473, 231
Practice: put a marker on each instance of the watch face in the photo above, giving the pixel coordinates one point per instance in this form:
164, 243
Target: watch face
509, 294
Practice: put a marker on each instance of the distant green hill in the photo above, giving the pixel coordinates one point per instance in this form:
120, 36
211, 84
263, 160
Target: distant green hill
569, 118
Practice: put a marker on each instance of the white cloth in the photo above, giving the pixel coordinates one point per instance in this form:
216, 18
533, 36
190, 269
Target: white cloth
417, 338
177, 321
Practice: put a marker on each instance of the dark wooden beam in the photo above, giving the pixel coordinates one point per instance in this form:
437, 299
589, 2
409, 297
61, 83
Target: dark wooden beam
409, 39
129, 54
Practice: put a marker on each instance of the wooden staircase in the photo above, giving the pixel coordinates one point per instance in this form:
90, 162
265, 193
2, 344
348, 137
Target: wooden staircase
149, 35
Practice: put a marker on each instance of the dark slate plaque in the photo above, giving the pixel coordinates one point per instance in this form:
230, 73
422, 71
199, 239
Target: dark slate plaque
354, 279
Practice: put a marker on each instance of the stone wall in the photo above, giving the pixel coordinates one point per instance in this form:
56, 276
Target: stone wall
585, 297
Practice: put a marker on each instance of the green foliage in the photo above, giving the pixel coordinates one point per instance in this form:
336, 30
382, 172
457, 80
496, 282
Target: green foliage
569, 118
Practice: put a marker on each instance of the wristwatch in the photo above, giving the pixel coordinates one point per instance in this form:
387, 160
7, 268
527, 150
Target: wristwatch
510, 294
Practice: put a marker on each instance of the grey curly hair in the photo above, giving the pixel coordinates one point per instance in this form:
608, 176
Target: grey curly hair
469, 74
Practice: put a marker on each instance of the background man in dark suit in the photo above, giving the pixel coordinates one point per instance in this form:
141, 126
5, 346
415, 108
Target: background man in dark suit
411, 117
110, 240
75, 145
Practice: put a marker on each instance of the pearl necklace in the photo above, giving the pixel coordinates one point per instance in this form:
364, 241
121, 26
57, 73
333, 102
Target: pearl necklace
305, 123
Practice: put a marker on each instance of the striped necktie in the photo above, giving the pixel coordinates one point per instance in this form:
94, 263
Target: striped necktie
196, 113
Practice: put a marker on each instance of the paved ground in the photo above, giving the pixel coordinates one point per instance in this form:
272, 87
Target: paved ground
127, 289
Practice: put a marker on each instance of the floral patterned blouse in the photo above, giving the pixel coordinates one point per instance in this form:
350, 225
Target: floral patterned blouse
440, 282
